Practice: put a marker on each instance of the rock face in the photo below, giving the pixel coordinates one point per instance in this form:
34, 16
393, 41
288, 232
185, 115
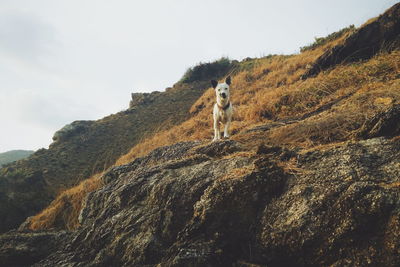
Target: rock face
342, 211
382, 33
198, 204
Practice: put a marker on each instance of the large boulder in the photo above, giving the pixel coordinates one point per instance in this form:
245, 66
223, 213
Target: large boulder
342, 209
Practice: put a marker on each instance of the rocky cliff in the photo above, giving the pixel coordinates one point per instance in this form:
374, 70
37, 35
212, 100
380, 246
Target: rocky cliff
220, 204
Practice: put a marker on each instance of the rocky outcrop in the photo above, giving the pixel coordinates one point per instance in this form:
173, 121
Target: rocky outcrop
381, 34
142, 98
71, 129
199, 204
342, 209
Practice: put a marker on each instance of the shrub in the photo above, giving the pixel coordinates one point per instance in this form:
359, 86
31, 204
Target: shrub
204, 71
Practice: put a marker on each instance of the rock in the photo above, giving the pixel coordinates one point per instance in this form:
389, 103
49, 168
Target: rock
266, 149
74, 128
168, 189
191, 204
27, 248
219, 148
382, 33
386, 124
339, 212
143, 98
158, 155
13, 206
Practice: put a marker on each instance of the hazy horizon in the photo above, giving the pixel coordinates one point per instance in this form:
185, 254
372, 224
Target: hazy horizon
80, 60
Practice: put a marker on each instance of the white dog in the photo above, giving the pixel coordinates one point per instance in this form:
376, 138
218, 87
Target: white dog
223, 109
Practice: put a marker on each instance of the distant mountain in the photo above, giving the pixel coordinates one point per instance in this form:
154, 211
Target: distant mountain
14, 155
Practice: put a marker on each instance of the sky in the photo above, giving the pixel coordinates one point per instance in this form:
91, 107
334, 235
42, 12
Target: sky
66, 60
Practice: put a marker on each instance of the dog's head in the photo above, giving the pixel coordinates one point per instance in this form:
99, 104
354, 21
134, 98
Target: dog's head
222, 89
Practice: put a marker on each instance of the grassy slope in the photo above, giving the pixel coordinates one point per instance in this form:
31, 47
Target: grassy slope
355, 92
270, 93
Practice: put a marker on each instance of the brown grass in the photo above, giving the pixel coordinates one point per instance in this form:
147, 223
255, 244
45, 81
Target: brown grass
63, 212
291, 167
237, 173
263, 99
391, 185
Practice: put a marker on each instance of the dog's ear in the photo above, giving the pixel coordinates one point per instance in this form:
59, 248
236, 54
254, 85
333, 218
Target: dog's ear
214, 83
228, 80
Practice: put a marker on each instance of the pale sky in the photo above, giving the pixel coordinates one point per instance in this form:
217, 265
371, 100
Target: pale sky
66, 60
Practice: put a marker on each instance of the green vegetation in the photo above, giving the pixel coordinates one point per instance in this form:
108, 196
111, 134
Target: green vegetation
14, 155
210, 70
319, 41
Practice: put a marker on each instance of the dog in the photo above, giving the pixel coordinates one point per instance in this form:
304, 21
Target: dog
223, 109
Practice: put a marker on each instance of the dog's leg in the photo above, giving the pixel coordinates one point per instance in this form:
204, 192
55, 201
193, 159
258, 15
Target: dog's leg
217, 134
226, 130
216, 129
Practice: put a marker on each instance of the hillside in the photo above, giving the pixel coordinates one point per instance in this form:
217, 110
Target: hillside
84, 148
14, 155
310, 176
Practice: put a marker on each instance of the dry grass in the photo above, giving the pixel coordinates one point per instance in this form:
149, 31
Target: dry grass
63, 212
237, 173
291, 167
265, 97
395, 185
371, 20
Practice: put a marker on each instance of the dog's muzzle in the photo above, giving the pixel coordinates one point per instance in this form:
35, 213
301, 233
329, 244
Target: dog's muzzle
223, 95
